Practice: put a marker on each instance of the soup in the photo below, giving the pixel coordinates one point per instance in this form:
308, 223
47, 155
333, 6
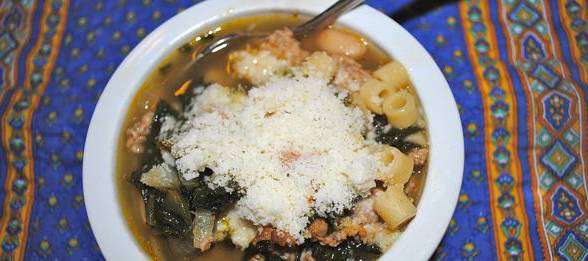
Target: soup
273, 148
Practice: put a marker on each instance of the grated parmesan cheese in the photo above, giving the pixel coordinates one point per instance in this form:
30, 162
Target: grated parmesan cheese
292, 145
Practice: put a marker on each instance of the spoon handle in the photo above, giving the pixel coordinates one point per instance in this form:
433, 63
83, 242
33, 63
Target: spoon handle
326, 18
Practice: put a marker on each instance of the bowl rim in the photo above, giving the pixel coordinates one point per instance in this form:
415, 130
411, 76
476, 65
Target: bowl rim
444, 176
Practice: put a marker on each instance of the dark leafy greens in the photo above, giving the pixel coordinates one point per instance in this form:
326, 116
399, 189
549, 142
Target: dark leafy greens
394, 137
351, 249
169, 211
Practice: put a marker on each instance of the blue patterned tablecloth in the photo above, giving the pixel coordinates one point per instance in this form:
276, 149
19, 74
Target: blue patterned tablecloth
517, 68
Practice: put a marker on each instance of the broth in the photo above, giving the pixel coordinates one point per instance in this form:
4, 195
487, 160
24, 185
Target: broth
163, 82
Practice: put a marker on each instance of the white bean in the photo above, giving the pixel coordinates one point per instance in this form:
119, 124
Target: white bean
336, 41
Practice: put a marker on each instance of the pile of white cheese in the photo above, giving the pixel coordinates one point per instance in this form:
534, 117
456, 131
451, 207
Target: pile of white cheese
291, 145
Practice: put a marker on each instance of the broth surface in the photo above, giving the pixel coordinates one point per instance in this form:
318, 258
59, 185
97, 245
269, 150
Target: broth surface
163, 82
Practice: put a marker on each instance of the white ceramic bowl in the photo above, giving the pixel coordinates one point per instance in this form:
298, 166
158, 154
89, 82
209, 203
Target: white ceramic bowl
446, 141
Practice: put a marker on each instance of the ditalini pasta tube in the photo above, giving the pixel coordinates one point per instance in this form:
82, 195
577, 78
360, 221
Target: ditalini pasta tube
399, 166
372, 94
394, 74
394, 207
400, 109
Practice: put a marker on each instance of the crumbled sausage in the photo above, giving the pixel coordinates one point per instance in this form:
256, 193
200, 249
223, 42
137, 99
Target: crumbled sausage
204, 245
282, 238
320, 65
339, 236
363, 212
256, 66
263, 234
318, 228
419, 155
137, 133
411, 187
364, 222
350, 75
272, 57
283, 45
274, 235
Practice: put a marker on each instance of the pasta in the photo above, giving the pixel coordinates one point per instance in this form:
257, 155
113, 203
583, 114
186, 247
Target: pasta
394, 206
394, 74
372, 93
399, 166
355, 99
400, 109
385, 94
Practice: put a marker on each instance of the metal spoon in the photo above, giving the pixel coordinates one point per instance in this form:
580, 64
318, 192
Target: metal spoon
319, 22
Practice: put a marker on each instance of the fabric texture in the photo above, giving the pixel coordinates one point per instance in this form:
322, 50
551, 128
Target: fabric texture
518, 70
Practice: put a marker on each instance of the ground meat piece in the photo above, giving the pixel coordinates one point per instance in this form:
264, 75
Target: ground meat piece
320, 65
335, 238
283, 45
278, 237
419, 155
204, 245
272, 57
318, 228
282, 238
371, 230
256, 66
350, 75
363, 212
263, 234
365, 217
411, 187
137, 133
364, 222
